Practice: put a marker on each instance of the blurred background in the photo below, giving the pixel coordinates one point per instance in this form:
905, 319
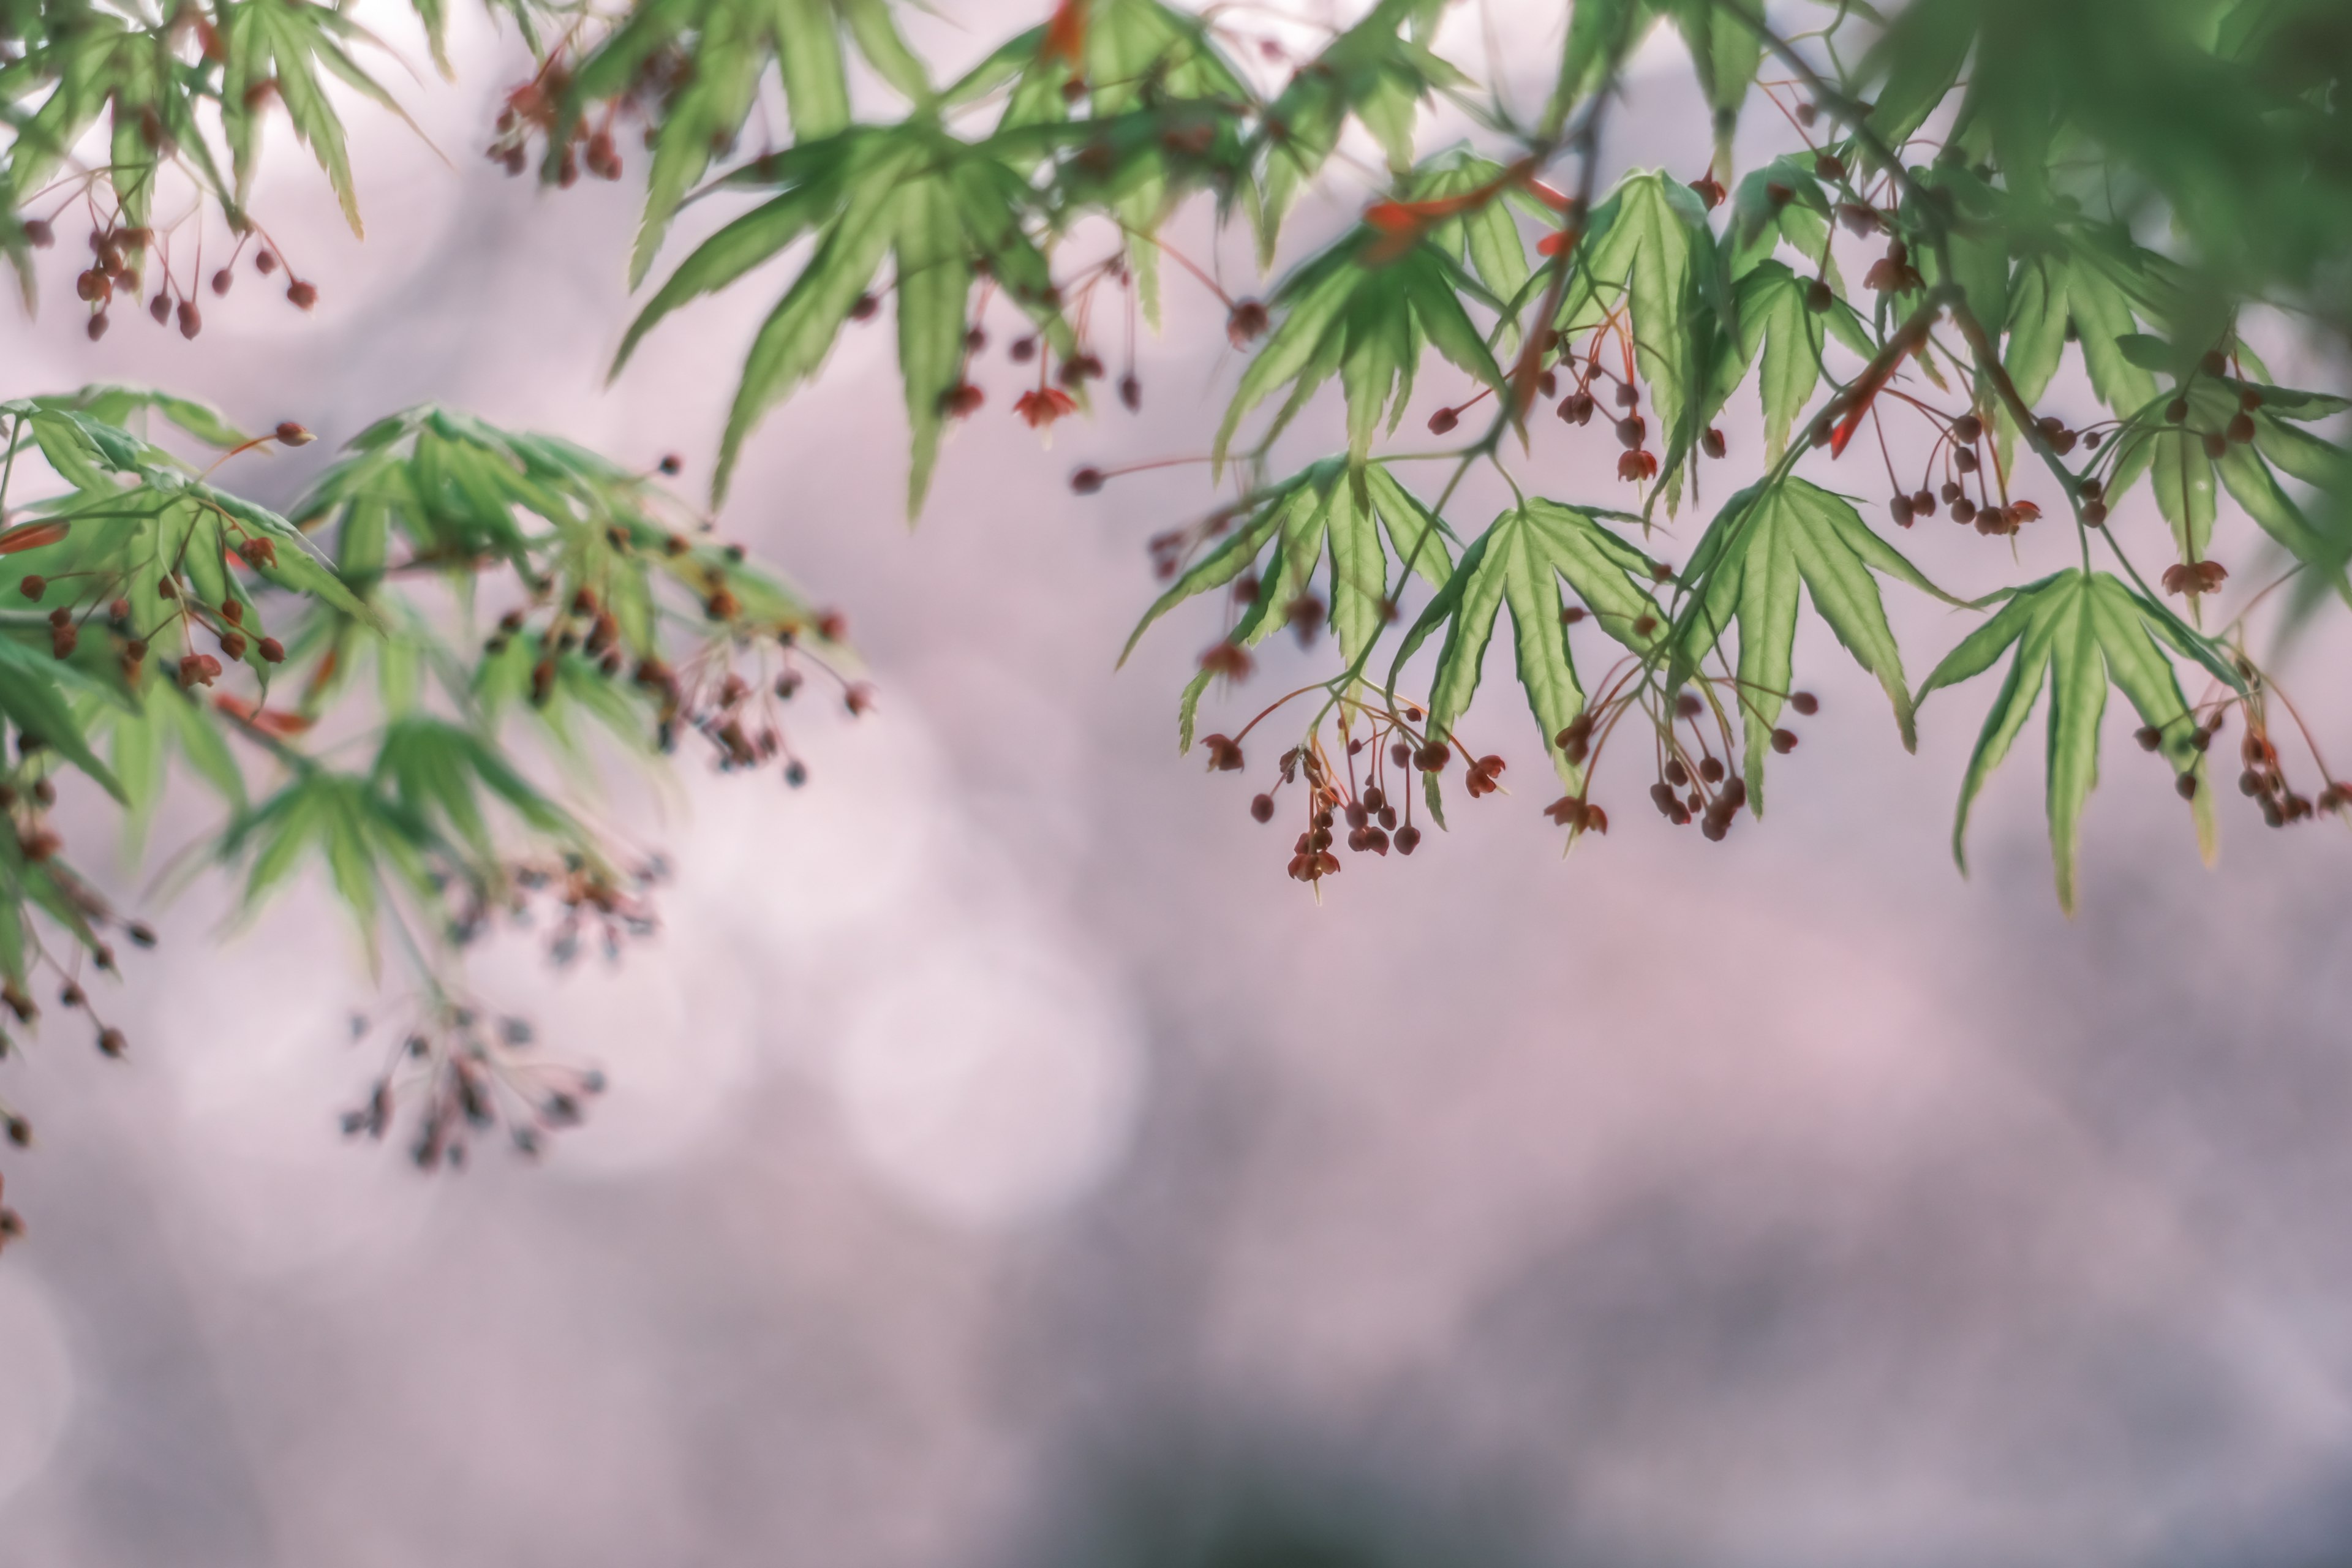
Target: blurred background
1006, 1166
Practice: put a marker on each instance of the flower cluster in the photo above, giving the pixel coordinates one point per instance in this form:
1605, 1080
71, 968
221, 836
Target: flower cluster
467, 1074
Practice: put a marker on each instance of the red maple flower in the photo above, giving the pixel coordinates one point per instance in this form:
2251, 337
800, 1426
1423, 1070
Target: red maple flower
1638, 465
1044, 405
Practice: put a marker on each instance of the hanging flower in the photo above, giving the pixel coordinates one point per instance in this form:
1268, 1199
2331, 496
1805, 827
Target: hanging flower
1044, 405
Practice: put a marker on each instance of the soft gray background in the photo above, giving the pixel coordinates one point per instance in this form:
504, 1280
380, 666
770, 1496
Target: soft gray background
1006, 1165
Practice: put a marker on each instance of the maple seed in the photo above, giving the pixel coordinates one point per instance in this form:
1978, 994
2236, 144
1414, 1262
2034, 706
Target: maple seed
1784, 740
1086, 481
1805, 703
1631, 431
289, 434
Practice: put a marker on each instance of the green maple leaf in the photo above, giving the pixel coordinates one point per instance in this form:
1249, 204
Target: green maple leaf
2077, 632
1527, 560
1648, 251
728, 47
1364, 315
1334, 514
1373, 72
1768, 541
930, 203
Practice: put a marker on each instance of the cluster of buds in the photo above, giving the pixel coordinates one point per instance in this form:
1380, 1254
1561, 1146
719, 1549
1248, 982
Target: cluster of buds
118, 261
2263, 776
2238, 430
538, 109
588, 896
1361, 791
1636, 464
469, 1075
1693, 783
1060, 386
27, 797
118, 255
735, 707
1958, 456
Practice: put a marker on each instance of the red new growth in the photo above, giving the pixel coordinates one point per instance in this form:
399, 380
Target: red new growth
31, 536
1066, 35
268, 720
1873, 380
1045, 405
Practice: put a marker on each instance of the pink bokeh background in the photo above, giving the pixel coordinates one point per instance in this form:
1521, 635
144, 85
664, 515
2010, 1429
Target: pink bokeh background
1006, 1163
